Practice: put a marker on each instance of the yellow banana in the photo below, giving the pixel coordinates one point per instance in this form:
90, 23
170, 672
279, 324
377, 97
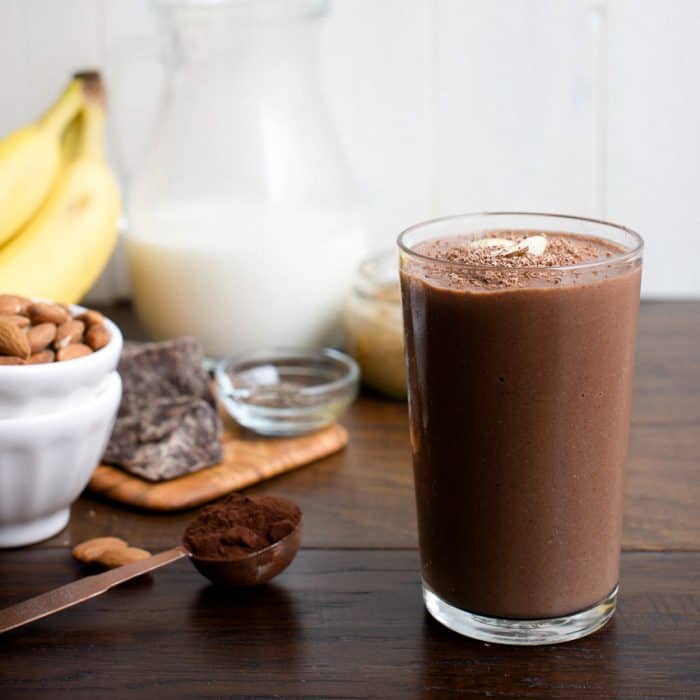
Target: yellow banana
30, 160
61, 251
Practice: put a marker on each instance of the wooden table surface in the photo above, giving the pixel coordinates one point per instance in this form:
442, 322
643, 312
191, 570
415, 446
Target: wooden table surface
346, 620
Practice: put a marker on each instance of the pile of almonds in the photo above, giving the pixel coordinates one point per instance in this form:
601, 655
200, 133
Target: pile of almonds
109, 552
34, 333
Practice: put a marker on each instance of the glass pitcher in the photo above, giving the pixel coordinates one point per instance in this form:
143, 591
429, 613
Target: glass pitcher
245, 224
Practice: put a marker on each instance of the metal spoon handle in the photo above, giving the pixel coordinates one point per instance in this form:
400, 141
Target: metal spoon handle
81, 590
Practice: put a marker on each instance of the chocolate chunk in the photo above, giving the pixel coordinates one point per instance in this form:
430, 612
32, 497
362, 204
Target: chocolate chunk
167, 424
169, 369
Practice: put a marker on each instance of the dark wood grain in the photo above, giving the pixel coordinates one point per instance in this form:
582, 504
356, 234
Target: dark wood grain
667, 377
346, 620
337, 624
662, 503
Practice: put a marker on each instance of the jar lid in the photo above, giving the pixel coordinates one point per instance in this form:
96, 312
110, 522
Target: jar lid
378, 278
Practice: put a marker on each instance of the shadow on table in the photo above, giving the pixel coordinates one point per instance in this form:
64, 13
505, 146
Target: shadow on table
262, 623
587, 668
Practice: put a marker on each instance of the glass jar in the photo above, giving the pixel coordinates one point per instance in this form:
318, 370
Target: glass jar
245, 223
374, 325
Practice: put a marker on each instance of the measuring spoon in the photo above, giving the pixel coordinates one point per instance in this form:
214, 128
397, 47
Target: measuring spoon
249, 570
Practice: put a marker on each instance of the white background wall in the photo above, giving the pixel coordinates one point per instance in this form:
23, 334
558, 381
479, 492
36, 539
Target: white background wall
444, 106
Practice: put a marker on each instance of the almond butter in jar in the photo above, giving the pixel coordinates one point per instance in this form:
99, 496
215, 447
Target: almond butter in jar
374, 325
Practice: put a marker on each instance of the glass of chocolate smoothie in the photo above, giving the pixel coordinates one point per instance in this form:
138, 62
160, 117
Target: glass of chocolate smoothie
520, 339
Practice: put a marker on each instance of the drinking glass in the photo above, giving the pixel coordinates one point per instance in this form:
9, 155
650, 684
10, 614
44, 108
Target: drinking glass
520, 384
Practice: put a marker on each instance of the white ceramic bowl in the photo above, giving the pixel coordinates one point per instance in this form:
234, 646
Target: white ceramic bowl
46, 461
32, 390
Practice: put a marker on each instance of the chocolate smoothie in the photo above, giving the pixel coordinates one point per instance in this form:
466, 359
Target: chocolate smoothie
520, 380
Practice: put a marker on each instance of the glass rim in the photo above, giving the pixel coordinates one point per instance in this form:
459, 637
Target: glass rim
351, 370
631, 254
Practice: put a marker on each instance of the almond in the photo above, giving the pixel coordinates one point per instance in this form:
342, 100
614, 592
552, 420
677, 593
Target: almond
43, 312
40, 358
21, 321
13, 341
10, 360
532, 245
90, 550
90, 317
73, 352
13, 304
112, 558
97, 336
536, 245
40, 336
68, 332
490, 243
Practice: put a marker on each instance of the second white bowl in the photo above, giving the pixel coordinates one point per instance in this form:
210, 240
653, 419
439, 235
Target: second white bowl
46, 461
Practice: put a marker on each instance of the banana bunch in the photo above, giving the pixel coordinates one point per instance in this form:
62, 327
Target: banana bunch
59, 202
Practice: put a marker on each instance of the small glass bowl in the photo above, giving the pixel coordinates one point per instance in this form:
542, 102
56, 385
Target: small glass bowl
287, 391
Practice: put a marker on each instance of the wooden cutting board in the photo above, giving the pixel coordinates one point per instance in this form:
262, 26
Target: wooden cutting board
248, 459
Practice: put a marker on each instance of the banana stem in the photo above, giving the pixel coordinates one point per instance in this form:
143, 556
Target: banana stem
65, 108
93, 87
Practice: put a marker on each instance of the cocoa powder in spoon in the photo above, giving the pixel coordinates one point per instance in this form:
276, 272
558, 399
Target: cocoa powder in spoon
240, 525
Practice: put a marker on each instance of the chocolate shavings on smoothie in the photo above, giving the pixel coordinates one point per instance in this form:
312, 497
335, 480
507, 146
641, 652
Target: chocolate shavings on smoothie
500, 265
559, 250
